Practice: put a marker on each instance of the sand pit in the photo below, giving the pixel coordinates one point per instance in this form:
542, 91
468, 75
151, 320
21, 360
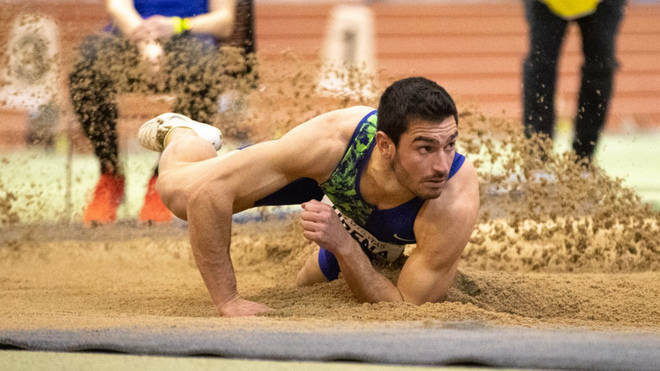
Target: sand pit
148, 277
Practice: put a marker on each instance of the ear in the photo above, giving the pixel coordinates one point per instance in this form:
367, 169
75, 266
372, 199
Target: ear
385, 145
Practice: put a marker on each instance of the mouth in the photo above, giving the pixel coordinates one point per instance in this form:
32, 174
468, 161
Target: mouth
437, 181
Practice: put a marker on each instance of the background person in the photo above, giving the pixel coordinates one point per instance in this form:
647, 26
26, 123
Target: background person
154, 46
599, 23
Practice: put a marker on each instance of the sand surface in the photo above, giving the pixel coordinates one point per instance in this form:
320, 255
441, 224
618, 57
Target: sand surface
149, 279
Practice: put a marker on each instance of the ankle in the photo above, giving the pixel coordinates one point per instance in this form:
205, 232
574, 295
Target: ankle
175, 133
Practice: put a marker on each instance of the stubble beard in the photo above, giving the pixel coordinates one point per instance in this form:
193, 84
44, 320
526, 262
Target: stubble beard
404, 178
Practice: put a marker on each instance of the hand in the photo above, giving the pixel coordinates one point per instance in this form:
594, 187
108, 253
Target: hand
322, 225
156, 27
239, 307
151, 52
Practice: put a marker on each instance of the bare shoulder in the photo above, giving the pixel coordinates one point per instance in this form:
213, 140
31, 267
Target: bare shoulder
314, 148
341, 121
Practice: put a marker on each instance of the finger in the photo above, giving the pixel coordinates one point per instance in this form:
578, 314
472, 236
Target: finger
312, 236
312, 216
314, 205
315, 237
310, 226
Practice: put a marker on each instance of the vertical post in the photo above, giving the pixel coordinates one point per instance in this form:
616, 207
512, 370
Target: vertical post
348, 55
69, 172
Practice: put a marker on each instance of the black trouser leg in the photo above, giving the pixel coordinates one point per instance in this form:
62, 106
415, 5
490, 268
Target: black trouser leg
196, 76
107, 65
546, 33
598, 43
92, 94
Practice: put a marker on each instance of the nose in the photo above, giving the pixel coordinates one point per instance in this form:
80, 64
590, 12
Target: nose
442, 162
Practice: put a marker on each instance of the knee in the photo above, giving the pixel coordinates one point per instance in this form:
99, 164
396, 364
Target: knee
310, 273
540, 62
599, 68
180, 195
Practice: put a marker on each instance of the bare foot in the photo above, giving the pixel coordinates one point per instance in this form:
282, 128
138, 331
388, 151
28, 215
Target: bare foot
239, 307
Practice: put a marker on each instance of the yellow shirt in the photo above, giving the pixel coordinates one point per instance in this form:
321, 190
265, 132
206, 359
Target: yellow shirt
572, 9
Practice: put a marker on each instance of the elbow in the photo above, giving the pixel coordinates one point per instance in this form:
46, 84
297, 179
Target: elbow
413, 300
204, 203
196, 196
192, 200
226, 31
425, 296
111, 7
434, 299
422, 301
224, 26
393, 296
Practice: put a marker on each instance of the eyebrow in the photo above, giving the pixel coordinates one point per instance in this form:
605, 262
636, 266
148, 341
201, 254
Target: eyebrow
425, 139
422, 138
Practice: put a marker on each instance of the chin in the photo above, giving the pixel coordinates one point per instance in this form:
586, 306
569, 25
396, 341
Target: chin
430, 194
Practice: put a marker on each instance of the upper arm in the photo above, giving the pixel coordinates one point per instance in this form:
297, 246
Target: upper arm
224, 12
314, 148
442, 229
124, 14
222, 5
311, 150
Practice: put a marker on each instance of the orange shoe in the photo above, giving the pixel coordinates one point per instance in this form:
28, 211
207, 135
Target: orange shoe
154, 210
108, 194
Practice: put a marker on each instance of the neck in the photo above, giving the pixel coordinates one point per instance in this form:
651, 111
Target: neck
379, 185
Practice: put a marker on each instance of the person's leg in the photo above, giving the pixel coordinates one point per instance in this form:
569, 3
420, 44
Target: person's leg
92, 95
194, 76
311, 271
546, 32
599, 32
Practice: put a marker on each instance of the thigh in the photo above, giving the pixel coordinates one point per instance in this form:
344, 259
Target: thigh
599, 31
244, 176
311, 272
546, 32
194, 73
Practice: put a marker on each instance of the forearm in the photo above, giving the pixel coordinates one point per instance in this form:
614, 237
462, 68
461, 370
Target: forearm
124, 15
365, 282
219, 23
210, 245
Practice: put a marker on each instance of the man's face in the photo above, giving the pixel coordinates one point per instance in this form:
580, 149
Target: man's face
424, 156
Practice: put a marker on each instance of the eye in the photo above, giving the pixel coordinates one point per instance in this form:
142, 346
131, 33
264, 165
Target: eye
425, 149
451, 145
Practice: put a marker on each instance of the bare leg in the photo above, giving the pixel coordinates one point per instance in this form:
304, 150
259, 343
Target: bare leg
310, 273
183, 148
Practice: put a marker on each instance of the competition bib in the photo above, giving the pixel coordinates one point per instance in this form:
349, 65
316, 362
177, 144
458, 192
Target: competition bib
372, 246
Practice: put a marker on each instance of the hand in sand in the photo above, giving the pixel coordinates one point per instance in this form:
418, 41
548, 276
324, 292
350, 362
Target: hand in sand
239, 307
322, 225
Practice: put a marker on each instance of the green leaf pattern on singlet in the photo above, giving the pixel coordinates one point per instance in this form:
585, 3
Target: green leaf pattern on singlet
341, 187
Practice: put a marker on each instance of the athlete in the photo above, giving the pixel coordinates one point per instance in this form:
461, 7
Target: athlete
394, 179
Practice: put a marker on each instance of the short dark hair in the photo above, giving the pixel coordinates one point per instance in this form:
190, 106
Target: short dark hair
409, 99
